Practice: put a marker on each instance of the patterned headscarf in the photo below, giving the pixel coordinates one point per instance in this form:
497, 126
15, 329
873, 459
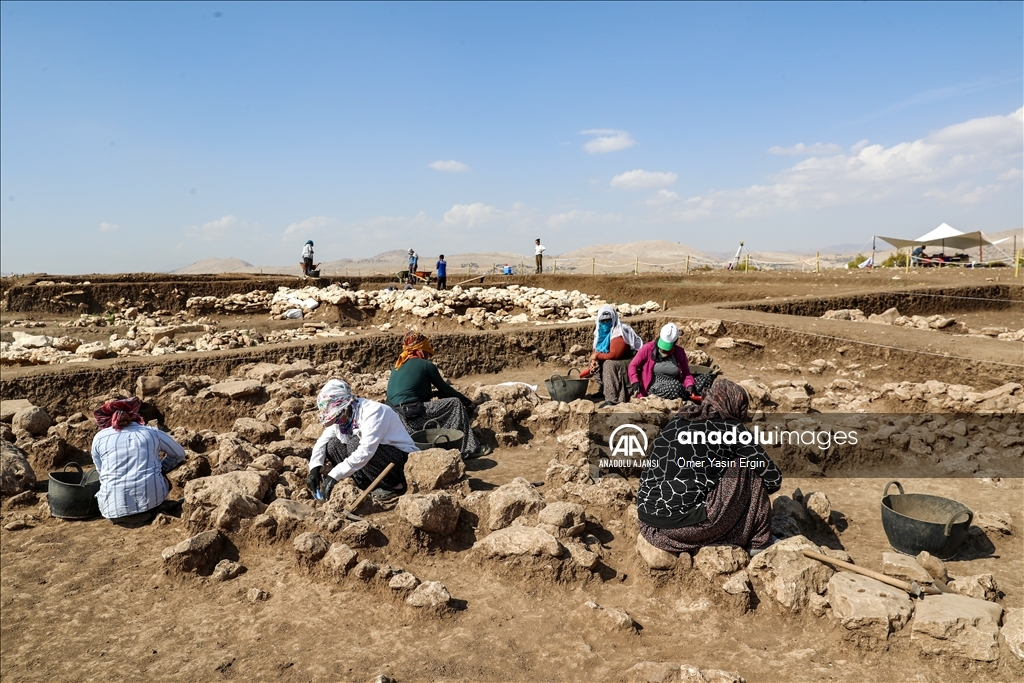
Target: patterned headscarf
415, 345
724, 400
119, 413
333, 403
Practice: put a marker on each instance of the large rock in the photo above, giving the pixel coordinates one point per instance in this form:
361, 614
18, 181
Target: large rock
222, 501
437, 513
954, 625
289, 514
715, 560
868, 606
340, 558
1013, 631
430, 594
787, 576
236, 388
508, 394
434, 468
656, 558
309, 548
904, 568
94, 350
195, 553
980, 586
511, 500
935, 567
256, 431
16, 473
33, 420
519, 541
11, 407
562, 519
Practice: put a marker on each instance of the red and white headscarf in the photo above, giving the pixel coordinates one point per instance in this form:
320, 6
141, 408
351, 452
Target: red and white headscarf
119, 413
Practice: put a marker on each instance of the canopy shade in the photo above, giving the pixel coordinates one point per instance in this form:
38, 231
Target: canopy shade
943, 236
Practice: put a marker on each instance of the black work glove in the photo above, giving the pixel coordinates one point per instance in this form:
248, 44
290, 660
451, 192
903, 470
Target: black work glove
327, 486
634, 388
314, 478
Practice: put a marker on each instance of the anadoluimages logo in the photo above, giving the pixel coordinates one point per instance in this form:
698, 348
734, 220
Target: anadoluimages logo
628, 441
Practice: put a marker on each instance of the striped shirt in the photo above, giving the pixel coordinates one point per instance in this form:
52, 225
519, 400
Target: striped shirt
131, 471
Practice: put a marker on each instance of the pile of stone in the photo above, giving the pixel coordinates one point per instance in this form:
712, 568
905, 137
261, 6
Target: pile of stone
476, 305
892, 316
941, 396
157, 340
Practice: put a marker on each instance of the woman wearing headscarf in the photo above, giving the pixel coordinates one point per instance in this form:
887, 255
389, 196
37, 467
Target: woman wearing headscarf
415, 382
360, 438
615, 343
133, 481
660, 368
709, 482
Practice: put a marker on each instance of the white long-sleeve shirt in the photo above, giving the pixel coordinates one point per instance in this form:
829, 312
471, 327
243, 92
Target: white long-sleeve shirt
539, 249
131, 471
307, 251
376, 424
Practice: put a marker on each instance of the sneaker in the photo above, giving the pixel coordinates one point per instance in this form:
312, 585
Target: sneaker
383, 495
481, 451
606, 404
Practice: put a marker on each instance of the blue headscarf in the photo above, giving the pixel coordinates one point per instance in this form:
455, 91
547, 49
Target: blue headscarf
603, 341
608, 327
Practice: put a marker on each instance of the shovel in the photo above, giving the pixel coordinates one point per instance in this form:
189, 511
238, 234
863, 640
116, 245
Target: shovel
911, 587
349, 511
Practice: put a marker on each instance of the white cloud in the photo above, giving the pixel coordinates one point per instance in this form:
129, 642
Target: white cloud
109, 227
558, 220
310, 226
959, 164
470, 215
638, 179
607, 140
450, 166
662, 197
221, 228
800, 149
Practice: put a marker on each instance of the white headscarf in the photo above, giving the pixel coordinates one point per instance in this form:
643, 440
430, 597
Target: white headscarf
619, 329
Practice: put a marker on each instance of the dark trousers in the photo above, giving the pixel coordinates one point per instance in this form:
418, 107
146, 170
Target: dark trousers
540, 263
442, 282
338, 451
307, 265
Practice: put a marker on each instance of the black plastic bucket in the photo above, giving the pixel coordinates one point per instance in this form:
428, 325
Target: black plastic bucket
566, 389
437, 437
72, 495
914, 522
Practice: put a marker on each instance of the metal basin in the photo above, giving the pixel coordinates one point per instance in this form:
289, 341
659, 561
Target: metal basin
914, 522
566, 388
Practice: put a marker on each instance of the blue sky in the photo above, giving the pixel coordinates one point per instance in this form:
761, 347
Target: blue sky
148, 136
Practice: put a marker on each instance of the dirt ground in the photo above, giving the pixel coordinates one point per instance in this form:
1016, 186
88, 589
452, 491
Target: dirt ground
88, 601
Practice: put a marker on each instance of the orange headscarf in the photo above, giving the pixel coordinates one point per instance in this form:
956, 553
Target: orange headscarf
415, 345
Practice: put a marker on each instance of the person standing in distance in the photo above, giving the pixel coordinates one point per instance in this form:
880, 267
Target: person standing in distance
442, 273
539, 250
307, 258
414, 261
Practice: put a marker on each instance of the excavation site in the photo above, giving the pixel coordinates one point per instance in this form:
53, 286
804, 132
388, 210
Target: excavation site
875, 393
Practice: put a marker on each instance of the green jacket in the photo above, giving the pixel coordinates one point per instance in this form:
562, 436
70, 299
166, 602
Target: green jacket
414, 380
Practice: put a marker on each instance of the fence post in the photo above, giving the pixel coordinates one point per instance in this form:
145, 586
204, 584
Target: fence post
554, 266
907, 261
1016, 261
636, 268
817, 263
593, 266
748, 262
687, 264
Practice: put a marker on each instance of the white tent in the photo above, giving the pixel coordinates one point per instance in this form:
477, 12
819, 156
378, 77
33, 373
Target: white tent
943, 236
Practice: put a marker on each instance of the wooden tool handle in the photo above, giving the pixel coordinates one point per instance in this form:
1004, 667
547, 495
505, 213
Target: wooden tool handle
371, 487
888, 580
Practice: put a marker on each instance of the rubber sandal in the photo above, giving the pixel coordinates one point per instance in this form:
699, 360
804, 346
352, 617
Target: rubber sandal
383, 495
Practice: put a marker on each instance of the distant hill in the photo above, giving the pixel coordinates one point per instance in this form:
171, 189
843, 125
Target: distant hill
216, 265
